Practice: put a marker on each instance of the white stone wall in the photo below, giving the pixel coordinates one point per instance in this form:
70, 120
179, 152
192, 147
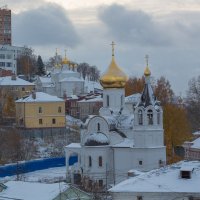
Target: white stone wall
128, 158
154, 196
115, 95
95, 172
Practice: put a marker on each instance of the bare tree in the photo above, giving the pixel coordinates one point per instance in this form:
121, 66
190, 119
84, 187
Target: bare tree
193, 103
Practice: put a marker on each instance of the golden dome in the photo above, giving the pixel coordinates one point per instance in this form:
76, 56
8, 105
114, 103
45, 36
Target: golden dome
147, 71
65, 61
114, 77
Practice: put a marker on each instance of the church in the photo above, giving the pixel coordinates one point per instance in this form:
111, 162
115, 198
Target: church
63, 80
119, 139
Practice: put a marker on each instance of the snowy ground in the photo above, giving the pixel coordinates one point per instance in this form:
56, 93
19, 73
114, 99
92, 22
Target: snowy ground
50, 175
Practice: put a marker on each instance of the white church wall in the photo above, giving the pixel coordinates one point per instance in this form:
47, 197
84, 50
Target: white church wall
96, 172
116, 98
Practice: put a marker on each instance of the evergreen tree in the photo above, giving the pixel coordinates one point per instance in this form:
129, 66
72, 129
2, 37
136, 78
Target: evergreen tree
40, 66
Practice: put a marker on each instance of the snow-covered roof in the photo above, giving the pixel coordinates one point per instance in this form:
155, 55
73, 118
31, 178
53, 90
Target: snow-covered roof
74, 145
166, 179
96, 139
41, 97
7, 80
127, 143
92, 85
32, 191
45, 79
134, 98
71, 79
196, 144
196, 133
96, 99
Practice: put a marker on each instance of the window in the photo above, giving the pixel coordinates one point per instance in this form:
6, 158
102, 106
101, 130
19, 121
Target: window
122, 100
90, 161
100, 161
160, 162
140, 162
158, 117
53, 121
40, 121
139, 198
140, 121
59, 109
108, 100
100, 183
150, 117
23, 89
40, 110
98, 127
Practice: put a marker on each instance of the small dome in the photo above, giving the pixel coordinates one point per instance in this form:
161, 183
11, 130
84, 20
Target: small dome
65, 61
147, 71
97, 139
114, 77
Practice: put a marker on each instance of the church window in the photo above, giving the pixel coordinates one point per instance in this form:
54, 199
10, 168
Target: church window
122, 100
100, 161
90, 161
140, 120
98, 127
140, 162
160, 163
108, 100
100, 183
150, 117
40, 110
158, 117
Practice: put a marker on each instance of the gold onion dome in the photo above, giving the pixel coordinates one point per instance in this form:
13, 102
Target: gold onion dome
147, 71
114, 77
65, 61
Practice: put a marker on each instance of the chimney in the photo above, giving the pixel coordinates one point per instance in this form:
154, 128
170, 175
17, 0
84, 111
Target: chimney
33, 94
13, 77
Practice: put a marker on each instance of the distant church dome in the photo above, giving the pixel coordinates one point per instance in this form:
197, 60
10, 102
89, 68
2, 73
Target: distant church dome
97, 139
147, 71
114, 77
65, 61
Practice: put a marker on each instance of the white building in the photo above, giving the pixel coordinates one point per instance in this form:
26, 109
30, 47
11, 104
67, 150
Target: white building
63, 80
192, 149
116, 141
180, 181
8, 57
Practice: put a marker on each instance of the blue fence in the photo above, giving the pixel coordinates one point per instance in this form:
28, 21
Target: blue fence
34, 165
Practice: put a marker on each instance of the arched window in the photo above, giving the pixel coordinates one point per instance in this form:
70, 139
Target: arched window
98, 127
100, 161
158, 117
90, 161
150, 117
108, 100
140, 120
122, 97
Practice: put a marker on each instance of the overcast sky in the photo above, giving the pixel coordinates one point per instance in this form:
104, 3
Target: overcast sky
168, 31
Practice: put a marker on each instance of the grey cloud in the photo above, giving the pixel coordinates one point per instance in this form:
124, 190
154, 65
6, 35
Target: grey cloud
138, 27
132, 26
45, 25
